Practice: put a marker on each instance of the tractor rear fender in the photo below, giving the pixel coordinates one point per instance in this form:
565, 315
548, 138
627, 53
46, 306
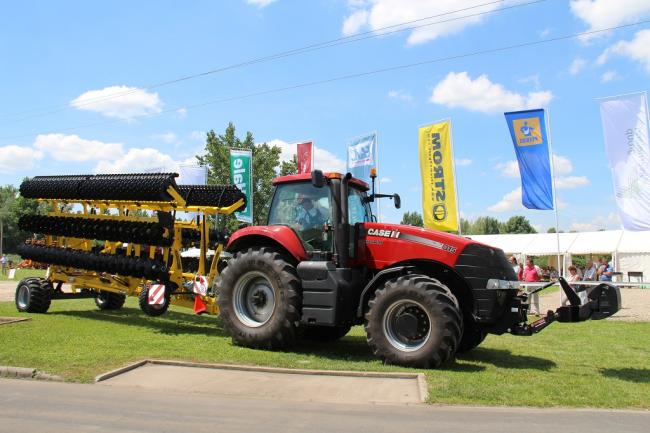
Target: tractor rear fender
446, 275
279, 237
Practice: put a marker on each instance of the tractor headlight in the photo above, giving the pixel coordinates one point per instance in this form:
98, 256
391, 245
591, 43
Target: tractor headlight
495, 284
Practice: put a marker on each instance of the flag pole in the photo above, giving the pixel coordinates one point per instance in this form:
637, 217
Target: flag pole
557, 225
378, 171
453, 162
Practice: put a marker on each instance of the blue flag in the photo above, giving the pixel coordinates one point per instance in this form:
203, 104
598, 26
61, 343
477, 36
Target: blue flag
362, 156
528, 132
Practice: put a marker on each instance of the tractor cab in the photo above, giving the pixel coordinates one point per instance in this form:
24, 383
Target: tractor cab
311, 205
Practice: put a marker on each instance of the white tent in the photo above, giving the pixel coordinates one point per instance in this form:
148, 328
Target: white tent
630, 250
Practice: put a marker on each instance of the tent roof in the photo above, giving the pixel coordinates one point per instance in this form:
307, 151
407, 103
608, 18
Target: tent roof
634, 242
509, 243
596, 242
545, 244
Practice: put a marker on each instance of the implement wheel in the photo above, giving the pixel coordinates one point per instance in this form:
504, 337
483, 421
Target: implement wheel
34, 295
109, 300
259, 299
153, 310
414, 320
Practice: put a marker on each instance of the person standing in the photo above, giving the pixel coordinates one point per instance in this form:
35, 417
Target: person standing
3, 261
605, 271
515, 267
532, 275
590, 271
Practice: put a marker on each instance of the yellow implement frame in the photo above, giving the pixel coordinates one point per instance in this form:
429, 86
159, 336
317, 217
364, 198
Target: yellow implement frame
121, 211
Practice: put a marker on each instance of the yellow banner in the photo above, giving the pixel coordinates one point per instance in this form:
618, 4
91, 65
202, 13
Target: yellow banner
437, 169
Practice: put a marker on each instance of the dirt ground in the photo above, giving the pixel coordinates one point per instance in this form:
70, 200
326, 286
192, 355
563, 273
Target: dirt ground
636, 302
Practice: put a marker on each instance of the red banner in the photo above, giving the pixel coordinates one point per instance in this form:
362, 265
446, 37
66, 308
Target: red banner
305, 157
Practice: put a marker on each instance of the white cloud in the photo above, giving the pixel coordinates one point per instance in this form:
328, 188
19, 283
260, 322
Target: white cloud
599, 222
354, 22
463, 162
14, 157
510, 201
376, 14
138, 160
577, 66
121, 102
508, 169
385, 180
571, 182
260, 3
197, 135
599, 14
481, 94
73, 148
531, 79
608, 76
544, 33
181, 113
563, 167
637, 49
167, 137
400, 95
323, 159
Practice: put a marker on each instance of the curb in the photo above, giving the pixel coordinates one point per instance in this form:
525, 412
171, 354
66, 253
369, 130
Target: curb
420, 377
27, 373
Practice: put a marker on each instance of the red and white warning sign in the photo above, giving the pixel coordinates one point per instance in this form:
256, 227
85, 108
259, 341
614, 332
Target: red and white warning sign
200, 285
156, 294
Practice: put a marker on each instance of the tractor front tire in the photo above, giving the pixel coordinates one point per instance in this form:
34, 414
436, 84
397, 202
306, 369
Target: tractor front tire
414, 320
109, 300
472, 336
325, 333
153, 310
34, 295
259, 299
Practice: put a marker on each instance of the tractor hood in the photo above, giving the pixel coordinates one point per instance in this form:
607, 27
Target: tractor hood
388, 244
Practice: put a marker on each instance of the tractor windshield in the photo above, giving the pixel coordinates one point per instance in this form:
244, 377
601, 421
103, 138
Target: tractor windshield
306, 209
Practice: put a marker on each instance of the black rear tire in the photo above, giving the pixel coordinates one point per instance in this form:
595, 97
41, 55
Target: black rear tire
153, 310
259, 299
109, 300
414, 320
34, 295
472, 336
325, 333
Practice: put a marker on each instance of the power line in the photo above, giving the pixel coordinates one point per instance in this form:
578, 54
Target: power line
297, 51
358, 75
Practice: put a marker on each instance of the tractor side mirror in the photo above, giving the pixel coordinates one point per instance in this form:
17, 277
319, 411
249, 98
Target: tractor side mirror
397, 200
317, 179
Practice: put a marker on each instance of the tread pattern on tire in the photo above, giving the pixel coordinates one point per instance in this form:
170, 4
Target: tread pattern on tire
153, 310
439, 297
279, 332
40, 295
472, 336
111, 301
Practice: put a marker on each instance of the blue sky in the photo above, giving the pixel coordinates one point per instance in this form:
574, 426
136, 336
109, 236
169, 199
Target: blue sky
63, 63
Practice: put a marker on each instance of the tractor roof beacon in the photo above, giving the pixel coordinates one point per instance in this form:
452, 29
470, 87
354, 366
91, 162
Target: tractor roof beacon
323, 263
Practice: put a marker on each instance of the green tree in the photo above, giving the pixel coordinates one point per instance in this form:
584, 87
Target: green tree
518, 224
289, 167
551, 230
486, 226
466, 227
265, 161
12, 207
412, 219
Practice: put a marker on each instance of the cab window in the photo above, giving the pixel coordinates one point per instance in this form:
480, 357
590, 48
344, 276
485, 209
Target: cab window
305, 209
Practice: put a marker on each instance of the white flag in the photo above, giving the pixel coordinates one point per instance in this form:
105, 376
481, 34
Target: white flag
625, 124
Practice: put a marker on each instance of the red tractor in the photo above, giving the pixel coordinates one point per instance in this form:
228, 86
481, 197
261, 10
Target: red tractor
323, 264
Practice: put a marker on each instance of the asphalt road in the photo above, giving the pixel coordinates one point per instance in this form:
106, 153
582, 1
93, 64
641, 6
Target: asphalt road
43, 407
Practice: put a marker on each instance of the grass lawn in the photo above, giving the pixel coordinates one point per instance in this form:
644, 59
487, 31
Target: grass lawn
24, 273
592, 364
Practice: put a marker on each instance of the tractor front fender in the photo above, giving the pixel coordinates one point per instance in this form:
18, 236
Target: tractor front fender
268, 236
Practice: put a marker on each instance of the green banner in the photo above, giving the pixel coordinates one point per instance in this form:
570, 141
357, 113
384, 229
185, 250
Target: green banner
241, 174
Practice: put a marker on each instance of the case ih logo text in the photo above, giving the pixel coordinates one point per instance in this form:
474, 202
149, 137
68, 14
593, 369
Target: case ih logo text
383, 233
439, 208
